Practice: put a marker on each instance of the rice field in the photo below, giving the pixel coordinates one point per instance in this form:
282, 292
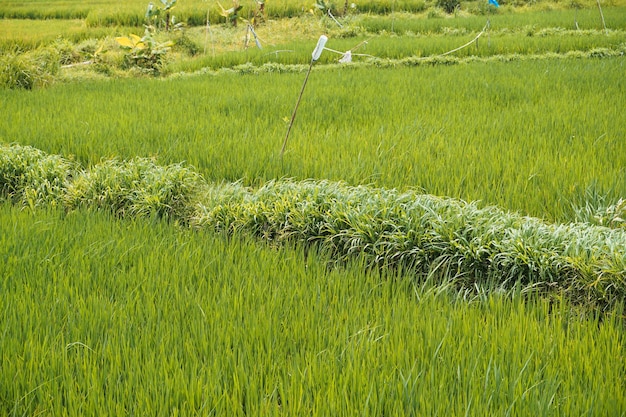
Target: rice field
460, 131
194, 12
135, 317
446, 240
444, 235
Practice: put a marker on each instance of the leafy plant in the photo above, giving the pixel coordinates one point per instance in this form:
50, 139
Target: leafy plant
232, 14
152, 13
449, 6
328, 9
146, 52
137, 187
31, 177
325, 6
613, 216
259, 13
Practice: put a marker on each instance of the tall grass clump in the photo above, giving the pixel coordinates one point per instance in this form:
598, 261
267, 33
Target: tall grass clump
138, 187
31, 177
443, 237
30, 69
596, 209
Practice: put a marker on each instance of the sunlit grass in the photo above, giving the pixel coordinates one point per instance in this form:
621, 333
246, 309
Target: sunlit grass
194, 12
530, 136
494, 44
103, 316
28, 34
510, 20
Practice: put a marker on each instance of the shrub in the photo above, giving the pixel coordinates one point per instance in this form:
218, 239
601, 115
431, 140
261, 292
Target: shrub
68, 53
449, 6
187, 45
145, 53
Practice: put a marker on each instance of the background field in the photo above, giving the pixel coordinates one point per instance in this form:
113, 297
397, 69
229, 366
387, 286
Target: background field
194, 12
536, 136
101, 315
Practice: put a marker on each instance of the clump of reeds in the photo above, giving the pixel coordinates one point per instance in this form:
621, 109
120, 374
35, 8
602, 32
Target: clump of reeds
138, 187
30, 69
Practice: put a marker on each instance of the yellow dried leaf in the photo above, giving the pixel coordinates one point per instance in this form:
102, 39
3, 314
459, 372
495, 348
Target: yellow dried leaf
124, 41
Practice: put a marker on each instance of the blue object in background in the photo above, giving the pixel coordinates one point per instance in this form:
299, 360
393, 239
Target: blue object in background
494, 2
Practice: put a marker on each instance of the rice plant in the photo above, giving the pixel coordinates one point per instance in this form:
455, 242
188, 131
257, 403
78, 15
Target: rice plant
365, 285
459, 130
132, 317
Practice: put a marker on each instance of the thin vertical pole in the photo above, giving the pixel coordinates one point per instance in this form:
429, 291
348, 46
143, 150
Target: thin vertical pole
293, 116
602, 16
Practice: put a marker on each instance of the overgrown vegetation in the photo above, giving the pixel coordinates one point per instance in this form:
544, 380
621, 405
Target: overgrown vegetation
29, 70
452, 240
136, 188
32, 178
146, 53
446, 239
180, 41
98, 295
451, 130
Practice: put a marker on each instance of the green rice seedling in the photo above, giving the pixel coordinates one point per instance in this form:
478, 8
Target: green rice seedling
587, 18
457, 130
499, 43
37, 10
193, 12
317, 52
28, 34
102, 316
